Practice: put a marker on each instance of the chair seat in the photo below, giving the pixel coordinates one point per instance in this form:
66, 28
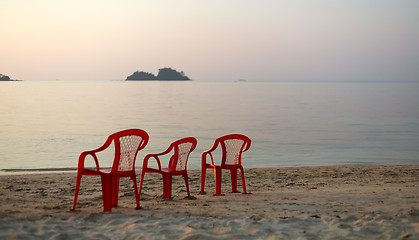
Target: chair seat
106, 170
87, 171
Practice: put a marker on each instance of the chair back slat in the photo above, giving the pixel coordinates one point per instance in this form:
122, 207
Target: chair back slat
184, 149
128, 148
233, 150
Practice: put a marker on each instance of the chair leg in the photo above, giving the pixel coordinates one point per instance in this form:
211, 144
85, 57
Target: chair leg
217, 173
243, 183
137, 196
203, 175
115, 191
233, 173
107, 193
167, 186
141, 182
185, 176
76, 193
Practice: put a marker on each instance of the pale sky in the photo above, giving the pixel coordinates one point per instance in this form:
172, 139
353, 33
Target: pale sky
217, 40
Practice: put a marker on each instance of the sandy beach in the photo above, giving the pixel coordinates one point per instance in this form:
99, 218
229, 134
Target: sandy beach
333, 202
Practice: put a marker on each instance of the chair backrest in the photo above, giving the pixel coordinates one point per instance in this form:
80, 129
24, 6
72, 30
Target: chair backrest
182, 148
127, 144
232, 146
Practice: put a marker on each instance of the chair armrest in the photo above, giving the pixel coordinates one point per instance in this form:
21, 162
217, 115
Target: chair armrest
165, 152
247, 146
204, 157
93, 154
209, 151
83, 157
155, 156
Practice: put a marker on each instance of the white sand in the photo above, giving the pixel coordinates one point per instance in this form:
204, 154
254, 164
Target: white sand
343, 202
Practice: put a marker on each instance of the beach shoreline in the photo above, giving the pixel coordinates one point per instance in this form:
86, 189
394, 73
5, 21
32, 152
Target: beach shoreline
348, 202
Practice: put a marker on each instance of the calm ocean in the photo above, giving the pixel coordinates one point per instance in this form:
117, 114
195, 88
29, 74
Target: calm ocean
47, 124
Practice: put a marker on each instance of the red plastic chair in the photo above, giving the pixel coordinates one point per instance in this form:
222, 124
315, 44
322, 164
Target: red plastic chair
232, 147
127, 144
177, 164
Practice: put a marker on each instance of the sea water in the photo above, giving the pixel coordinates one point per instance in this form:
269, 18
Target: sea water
47, 124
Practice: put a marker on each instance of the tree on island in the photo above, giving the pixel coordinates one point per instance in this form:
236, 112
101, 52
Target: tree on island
171, 74
164, 74
4, 77
142, 76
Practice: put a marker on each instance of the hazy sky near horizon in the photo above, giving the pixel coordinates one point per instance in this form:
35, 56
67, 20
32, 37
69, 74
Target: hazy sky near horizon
211, 40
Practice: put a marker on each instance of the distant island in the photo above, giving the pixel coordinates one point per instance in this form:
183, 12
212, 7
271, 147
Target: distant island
165, 74
5, 78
